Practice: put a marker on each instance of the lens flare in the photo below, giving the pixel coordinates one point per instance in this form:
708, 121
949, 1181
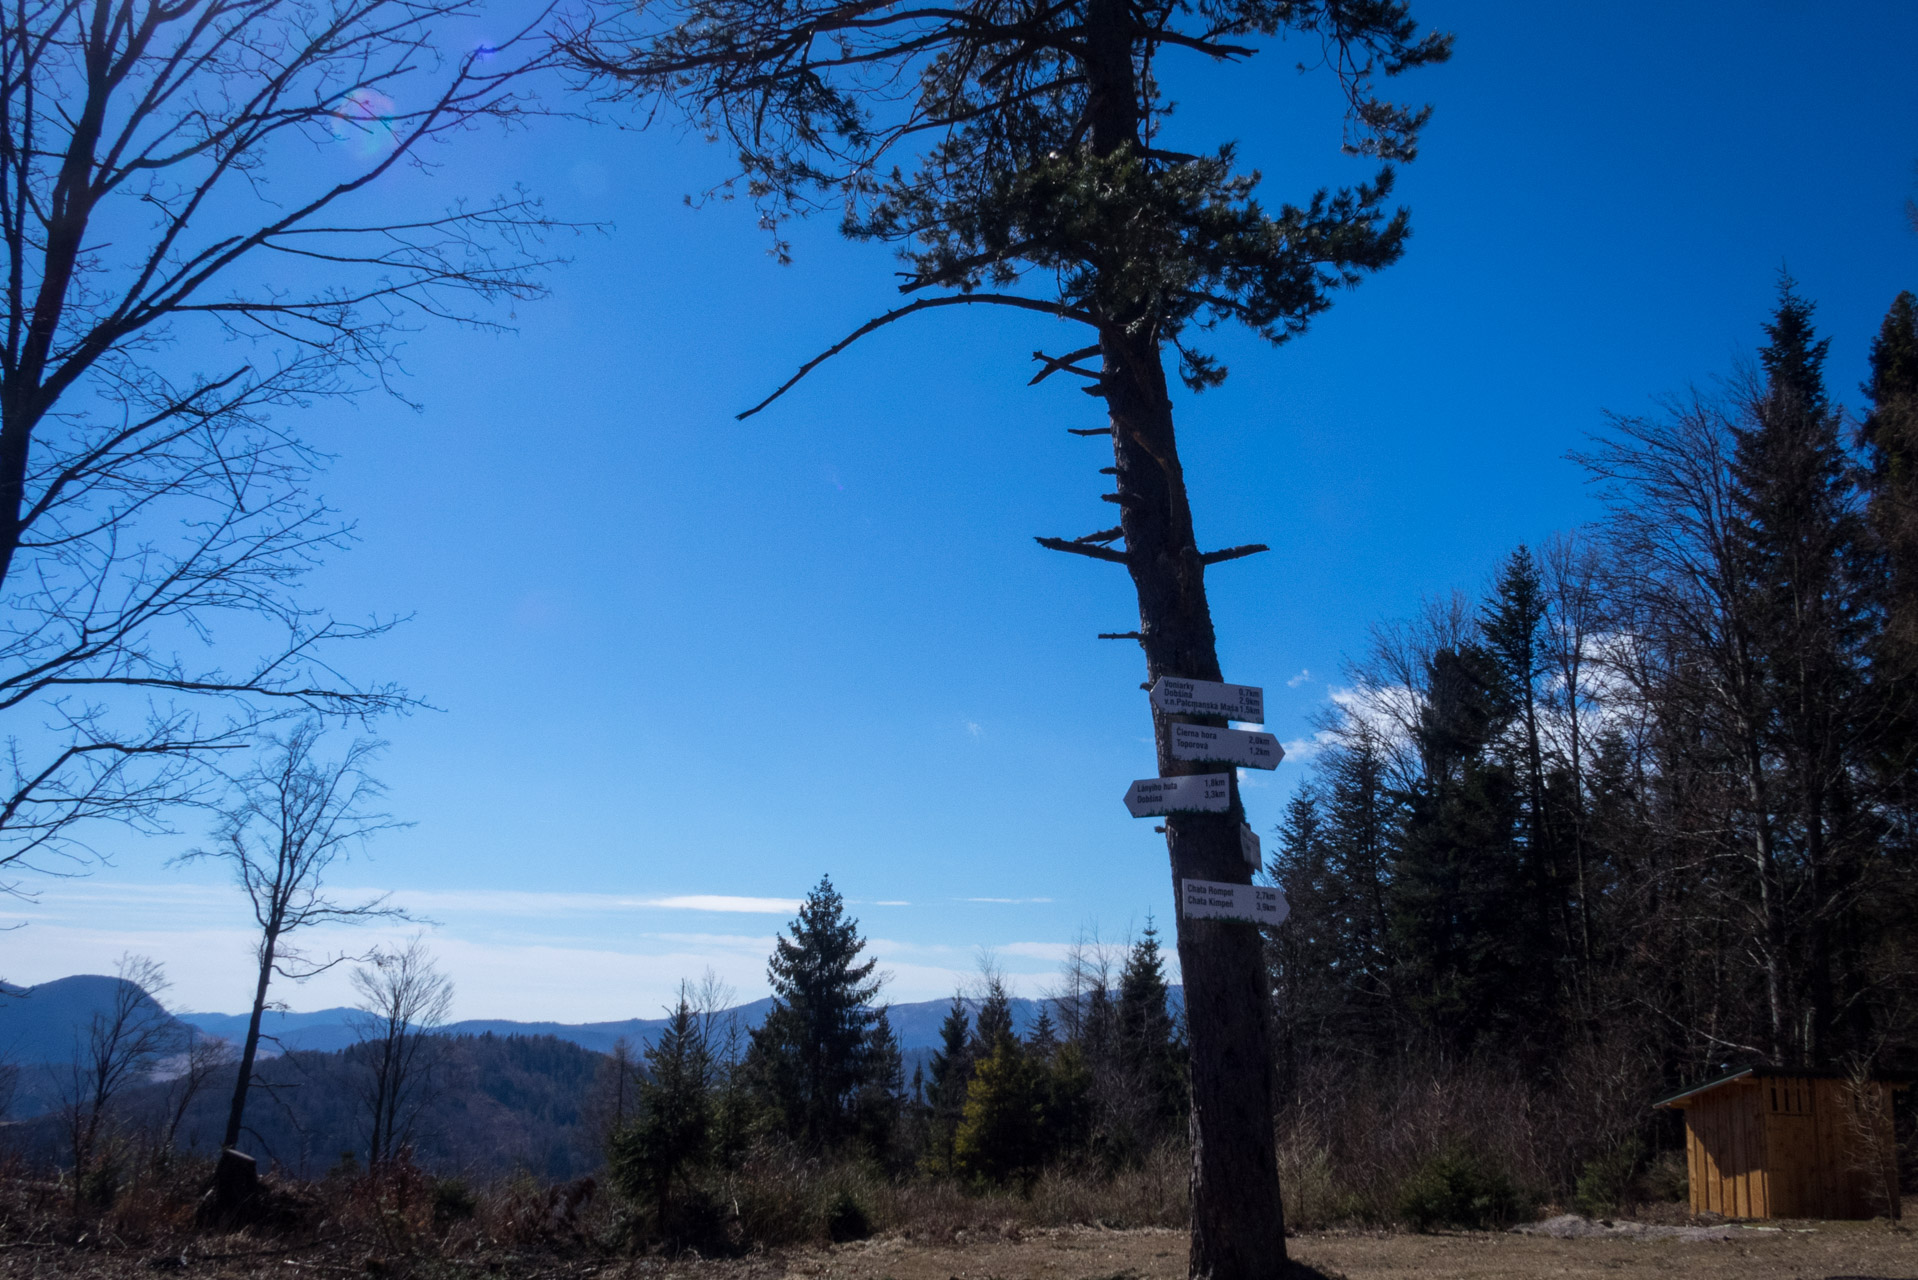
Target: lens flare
364, 119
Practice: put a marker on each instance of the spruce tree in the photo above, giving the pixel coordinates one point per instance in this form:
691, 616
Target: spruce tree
1043, 1040
995, 1018
1801, 536
1148, 1041
1304, 953
1890, 436
951, 1070
1066, 1101
1361, 827
1001, 1131
1459, 898
1512, 623
670, 1131
815, 1050
881, 1095
1512, 631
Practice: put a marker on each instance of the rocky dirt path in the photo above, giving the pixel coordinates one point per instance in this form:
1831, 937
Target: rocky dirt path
1801, 1251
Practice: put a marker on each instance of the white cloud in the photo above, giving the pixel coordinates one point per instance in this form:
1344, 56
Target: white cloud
891, 902
1299, 679
1301, 750
976, 729
724, 902
528, 957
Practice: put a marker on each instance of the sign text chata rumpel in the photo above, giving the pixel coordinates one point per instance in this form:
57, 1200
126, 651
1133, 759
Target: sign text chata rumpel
1219, 900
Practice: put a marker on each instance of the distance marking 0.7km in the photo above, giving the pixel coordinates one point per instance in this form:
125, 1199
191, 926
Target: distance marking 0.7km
1242, 702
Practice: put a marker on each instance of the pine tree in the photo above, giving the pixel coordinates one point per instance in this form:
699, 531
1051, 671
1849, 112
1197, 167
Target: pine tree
1890, 436
881, 1096
1512, 626
1362, 822
670, 1131
1001, 1132
1066, 1101
1459, 895
1148, 1042
946, 1090
1304, 953
1802, 539
994, 1022
1043, 1040
815, 1050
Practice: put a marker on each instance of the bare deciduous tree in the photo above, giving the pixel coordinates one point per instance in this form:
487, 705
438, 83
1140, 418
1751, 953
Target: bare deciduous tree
297, 815
191, 1066
198, 212
123, 1044
404, 999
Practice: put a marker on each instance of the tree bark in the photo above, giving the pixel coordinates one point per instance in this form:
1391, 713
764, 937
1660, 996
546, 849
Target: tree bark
236, 1114
1238, 1224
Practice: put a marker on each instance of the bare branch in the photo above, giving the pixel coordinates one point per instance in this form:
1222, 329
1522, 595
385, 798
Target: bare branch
1084, 549
924, 304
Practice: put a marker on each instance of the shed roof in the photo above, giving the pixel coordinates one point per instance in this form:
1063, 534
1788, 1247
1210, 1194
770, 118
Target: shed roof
1759, 1071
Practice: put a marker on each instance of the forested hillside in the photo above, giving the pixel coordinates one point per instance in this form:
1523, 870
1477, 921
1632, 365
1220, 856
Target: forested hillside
483, 1105
1644, 808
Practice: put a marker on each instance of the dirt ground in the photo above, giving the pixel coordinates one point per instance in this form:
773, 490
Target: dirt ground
1797, 1250
1809, 1251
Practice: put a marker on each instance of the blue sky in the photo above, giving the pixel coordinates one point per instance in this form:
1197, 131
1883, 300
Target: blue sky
680, 660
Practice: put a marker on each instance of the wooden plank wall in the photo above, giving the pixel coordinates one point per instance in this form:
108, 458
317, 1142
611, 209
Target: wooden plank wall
1725, 1147
1778, 1147
1798, 1146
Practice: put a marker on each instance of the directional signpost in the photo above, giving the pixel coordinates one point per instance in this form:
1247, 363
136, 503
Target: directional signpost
1242, 747
1242, 702
1195, 792
1249, 846
1217, 900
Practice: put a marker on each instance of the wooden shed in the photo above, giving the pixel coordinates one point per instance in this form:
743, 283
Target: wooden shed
1773, 1143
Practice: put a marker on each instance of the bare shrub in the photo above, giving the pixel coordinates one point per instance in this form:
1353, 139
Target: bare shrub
1874, 1143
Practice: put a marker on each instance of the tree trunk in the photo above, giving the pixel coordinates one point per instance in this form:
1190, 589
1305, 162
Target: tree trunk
1238, 1225
236, 1114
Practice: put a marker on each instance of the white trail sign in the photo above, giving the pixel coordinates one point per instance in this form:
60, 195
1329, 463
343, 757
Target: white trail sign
1242, 747
1216, 900
1243, 702
1194, 792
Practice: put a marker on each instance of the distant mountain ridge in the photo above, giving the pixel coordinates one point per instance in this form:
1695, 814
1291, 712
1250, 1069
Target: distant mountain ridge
48, 1022
44, 1023
916, 1025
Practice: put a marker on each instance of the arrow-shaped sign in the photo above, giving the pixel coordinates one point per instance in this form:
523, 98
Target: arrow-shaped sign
1230, 746
1214, 900
1209, 698
1195, 792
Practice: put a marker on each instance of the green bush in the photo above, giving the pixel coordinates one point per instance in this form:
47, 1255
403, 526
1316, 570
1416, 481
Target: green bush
1608, 1182
1457, 1188
846, 1219
1667, 1177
